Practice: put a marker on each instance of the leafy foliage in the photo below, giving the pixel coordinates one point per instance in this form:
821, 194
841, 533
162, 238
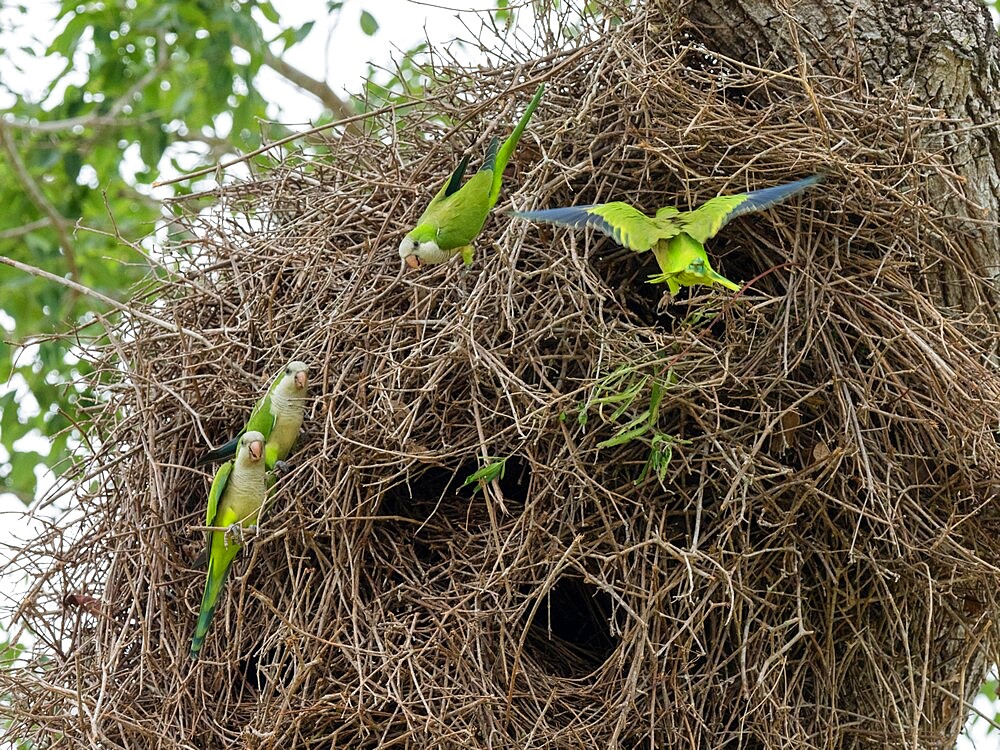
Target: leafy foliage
492, 471
623, 390
143, 88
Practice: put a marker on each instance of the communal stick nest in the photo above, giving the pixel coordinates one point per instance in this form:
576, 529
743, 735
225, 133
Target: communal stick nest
759, 520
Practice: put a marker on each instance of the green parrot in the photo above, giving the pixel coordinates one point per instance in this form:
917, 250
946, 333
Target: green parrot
676, 237
455, 216
277, 416
236, 497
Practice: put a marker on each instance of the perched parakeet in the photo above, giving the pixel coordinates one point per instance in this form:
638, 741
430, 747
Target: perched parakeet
455, 216
676, 237
277, 416
236, 497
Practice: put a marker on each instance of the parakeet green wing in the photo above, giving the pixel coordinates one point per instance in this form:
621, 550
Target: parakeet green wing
261, 420
216, 490
625, 224
235, 498
460, 216
448, 189
706, 220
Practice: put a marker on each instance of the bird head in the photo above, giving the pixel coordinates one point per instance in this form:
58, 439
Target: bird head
253, 443
420, 247
299, 372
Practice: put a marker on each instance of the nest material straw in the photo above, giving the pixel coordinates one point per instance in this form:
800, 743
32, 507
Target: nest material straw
815, 568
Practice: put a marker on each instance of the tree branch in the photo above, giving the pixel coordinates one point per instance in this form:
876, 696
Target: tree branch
112, 303
56, 219
31, 226
93, 119
337, 106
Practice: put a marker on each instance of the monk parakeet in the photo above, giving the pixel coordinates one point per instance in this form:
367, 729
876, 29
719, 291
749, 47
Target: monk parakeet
277, 416
676, 237
454, 217
236, 497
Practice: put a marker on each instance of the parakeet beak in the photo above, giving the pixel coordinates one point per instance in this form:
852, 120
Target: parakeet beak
406, 248
256, 450
301, 378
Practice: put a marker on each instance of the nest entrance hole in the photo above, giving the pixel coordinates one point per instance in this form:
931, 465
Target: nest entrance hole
570, 633
443, 481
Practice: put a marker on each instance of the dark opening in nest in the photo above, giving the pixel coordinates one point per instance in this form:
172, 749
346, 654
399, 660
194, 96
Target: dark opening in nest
569, 635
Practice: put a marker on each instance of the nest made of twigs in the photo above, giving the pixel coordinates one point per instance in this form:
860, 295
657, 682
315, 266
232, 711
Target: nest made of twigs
796, 552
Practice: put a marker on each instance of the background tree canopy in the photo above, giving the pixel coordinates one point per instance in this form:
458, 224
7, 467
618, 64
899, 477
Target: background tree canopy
140, 90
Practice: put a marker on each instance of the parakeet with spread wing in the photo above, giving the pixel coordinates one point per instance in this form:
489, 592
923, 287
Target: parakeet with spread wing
677, 238
235, 498
455, 216
277, 416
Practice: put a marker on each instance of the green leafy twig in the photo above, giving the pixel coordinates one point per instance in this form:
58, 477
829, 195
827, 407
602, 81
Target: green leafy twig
488, 473
621, 389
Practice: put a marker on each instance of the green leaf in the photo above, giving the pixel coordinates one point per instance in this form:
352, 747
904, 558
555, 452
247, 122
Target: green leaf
486, 474
368, 23
269, 12
989, 689
65, 44
302, 32
624, 437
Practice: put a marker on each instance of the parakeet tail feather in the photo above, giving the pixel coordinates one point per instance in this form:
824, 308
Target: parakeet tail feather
223, 452
508, 146
213, 587
490, 161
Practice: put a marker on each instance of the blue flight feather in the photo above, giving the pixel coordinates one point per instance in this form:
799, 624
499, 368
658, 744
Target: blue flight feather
758, 200
569, 216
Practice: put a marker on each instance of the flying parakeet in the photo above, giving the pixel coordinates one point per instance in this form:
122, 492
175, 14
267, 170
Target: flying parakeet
277, 416
236, 497
455, 216
676, 237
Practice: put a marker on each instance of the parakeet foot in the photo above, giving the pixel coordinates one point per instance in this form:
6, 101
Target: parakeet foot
234, 534
281, 467
237, 534
666, 300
